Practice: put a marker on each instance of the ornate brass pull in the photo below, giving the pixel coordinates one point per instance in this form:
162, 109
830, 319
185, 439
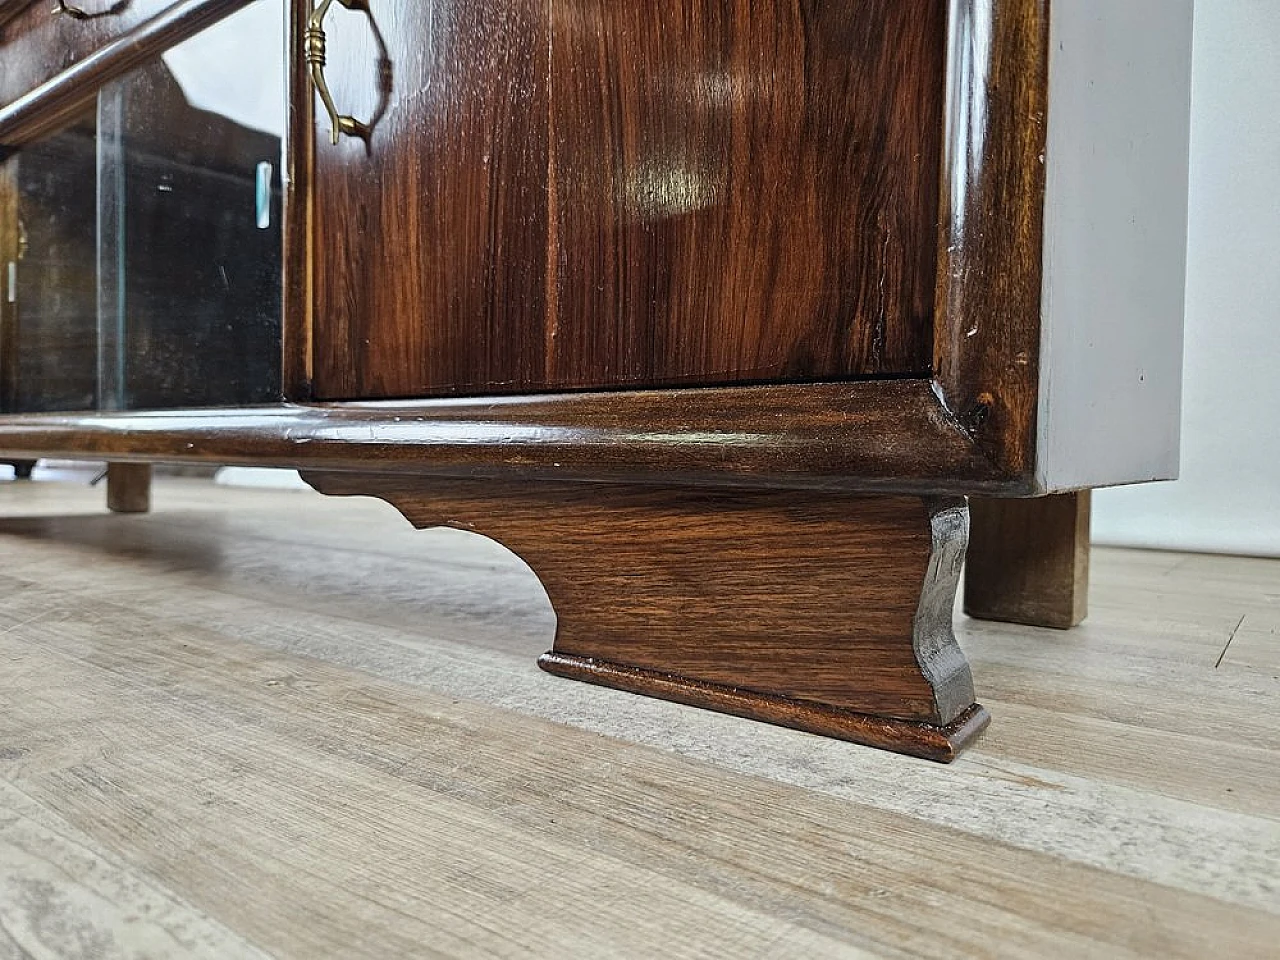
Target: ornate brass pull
315, 41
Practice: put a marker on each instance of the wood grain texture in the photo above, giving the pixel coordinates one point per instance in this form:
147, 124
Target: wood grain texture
577, 195
354, 756
1029, 560
987, 337
743, 191
129, 487
9, 9
10, 250
99, 55
60, 891
430, 240
883, 436
743, 590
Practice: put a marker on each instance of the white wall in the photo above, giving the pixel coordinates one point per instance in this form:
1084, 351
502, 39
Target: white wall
1228, 499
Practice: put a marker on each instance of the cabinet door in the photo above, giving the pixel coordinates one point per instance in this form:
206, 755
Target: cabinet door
430, 239
583, 194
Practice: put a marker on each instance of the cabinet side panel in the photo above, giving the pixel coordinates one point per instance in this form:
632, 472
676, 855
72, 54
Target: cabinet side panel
1115, 242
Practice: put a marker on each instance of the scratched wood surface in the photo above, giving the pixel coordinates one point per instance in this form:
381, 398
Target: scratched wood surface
267, 724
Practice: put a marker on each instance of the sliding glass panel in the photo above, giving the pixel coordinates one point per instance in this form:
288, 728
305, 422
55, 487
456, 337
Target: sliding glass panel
48, 355
150, 276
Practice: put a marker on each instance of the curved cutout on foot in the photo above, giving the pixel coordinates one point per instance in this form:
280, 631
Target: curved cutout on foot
827, 612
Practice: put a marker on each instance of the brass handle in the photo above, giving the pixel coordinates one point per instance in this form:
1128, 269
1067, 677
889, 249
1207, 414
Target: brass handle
315, 48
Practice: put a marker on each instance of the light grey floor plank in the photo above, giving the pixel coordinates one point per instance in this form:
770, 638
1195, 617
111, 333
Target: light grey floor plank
295, 725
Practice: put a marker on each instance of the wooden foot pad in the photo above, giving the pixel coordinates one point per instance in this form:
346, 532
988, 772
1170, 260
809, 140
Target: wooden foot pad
1029, 560
941, 743
822, 611
129, 487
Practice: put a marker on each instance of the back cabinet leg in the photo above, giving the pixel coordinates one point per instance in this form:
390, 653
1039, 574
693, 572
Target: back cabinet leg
1029, 560
129, 487
819, 611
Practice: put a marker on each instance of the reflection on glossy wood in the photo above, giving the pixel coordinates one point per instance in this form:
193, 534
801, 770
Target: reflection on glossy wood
737, 600
9, 9
298, 328
38, 43
430, 244
743, 192
688, 194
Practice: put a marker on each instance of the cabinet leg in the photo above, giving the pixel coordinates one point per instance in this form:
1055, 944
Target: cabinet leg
128, 487
818, 611
1029, 560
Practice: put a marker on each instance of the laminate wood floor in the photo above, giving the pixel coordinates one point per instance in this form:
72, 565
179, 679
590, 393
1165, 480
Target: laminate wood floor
269, 724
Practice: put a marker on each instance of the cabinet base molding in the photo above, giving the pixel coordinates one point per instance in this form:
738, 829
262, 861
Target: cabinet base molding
822, 611
932, 742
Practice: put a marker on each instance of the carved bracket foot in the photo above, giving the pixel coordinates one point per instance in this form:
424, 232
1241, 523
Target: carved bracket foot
824, 612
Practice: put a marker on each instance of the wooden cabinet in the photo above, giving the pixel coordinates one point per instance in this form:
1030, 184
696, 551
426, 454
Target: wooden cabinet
714, 312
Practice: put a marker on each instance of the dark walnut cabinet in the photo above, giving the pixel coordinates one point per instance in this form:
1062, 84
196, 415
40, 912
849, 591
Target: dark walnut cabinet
718, 314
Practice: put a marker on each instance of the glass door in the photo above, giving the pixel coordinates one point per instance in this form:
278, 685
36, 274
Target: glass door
146, 271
